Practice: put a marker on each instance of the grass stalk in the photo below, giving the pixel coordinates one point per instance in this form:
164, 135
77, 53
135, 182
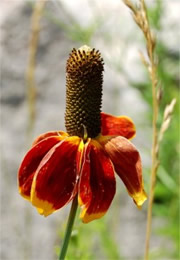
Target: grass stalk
141, 18
30, 72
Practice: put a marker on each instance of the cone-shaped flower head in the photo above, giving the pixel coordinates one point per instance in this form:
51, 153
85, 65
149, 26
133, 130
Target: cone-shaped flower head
84, 92
84, 160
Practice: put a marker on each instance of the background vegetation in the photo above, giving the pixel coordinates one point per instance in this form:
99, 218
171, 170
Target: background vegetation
103, 239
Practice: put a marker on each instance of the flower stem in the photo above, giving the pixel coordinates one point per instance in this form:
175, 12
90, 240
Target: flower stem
69, 227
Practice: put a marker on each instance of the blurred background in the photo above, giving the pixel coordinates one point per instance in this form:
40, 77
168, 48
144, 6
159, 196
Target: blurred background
30, 107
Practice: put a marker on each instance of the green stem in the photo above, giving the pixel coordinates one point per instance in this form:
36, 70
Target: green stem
69, 227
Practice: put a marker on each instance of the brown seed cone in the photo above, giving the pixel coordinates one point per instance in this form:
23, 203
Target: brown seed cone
84, 92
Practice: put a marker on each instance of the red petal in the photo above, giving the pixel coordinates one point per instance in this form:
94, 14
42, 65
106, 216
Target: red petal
117, 126
31, 162
56, 177
97, 182
49, 134
127, 163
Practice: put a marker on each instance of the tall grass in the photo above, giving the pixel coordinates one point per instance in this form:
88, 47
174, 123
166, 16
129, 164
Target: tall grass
139, 13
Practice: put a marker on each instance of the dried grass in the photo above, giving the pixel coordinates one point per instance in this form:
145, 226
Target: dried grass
30, 72
139, 13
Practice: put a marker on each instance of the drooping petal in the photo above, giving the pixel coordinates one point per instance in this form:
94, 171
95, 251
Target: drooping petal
97, 182
56, 177
117, 126
49, 134
127, 163
31, 161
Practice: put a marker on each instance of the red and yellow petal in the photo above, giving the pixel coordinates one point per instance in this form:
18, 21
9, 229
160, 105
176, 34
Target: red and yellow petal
31, 161
56, 177
97, 183
49, 134
127, 164
117, 126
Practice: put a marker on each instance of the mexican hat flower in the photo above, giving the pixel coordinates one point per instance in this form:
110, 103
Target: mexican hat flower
83, 161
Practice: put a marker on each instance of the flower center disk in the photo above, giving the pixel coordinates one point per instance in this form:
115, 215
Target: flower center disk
84, 92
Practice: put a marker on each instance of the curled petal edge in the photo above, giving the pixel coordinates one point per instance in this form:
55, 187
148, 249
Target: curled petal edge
49, 134
117, 126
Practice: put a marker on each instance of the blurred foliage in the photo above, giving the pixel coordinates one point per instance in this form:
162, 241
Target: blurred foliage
73, 29
91, 241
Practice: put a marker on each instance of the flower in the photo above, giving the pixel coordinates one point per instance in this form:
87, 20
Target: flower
83, 161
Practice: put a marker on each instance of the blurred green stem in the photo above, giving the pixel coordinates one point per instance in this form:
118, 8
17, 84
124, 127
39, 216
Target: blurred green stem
69, 227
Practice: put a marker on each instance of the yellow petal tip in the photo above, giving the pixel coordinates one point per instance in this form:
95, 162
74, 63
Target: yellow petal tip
43, 207
44, 212
86, 218
139, 198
